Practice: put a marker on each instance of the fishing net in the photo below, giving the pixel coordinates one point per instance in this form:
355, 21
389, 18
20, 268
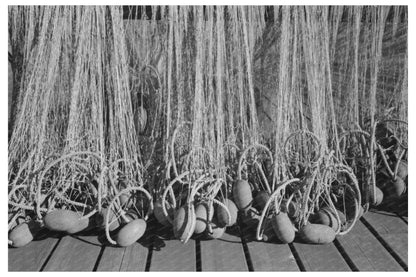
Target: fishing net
119, 113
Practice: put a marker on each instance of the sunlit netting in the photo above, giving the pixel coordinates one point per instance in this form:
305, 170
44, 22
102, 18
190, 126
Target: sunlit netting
373, 51
177, 112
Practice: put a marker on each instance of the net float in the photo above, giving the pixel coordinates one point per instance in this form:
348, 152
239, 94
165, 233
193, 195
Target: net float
283, 227
184, 223
242, 195
131, 232
221, 214
65, 221
317, 233
23, 233
260, 200
402, 170
158, 212
202, 217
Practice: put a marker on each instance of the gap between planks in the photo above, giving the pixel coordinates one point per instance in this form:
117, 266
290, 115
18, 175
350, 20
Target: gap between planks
75, 253
363, 251
374, 228
392, 232
35, 255
267, 256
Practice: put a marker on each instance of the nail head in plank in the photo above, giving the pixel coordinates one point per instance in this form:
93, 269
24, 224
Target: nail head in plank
32, 256
75, 253
322, 257
392, 230
172, 255
366, 252
223, 254
271, 257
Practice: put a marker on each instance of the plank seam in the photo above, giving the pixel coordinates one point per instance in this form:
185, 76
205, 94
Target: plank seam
385, 244
122, 259
344, 254
50, 255
297, 258
249, 262
98, 258
149, 257
198, 255
247, 254
402, 218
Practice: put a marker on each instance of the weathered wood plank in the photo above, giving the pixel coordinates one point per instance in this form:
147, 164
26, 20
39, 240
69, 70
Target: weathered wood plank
392, 229
321, 257
75, 253
134, 258
32, 256
271, 257
366, 252
224, 254
172, 255
111, 259
268, 256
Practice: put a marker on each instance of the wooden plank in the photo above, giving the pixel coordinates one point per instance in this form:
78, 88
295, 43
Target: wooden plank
172, 255
224, 254
386, 223
32, 256
132, 258
392, 229
267, 256
75, 253
135, 258
320, 257
111, 259
366, 252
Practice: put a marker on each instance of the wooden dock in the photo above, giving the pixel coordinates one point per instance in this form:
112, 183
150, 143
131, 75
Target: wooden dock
378, 242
